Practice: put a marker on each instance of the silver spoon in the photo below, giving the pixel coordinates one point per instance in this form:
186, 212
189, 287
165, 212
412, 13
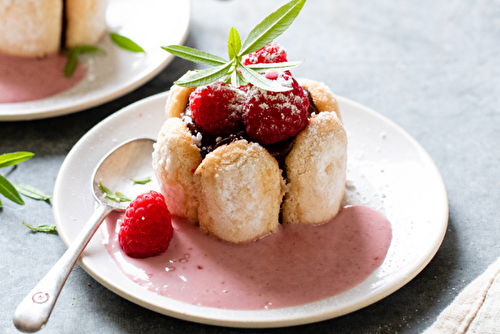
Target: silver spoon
115, 171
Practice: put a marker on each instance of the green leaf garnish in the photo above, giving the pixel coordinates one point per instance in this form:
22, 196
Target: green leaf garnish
11, 159
205, 77
275, 66
45, 228
125, 43
144, 180
105, 190
261, 81
72, 57
236, 79
265, 32
196, 56
32, 192
272, 26
71, 64
117, 196
82, 49
233, 43
9, 191
123, 197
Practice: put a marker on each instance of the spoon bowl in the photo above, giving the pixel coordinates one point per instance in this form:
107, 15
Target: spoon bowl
129, 161
111, 179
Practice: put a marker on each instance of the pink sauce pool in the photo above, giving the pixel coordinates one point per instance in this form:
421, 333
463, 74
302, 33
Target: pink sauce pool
296, 265
28, 79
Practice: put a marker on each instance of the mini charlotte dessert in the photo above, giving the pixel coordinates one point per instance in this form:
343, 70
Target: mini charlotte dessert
241, 151
38, 28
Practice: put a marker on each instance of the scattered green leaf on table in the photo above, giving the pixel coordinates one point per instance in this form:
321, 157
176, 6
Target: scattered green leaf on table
144, 180
32, 192
10, 159
9, 191
44, 228
125, 43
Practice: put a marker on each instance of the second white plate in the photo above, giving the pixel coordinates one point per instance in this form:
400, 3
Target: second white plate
387, 170
149, 23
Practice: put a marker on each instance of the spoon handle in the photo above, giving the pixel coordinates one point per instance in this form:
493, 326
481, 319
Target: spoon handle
34, 311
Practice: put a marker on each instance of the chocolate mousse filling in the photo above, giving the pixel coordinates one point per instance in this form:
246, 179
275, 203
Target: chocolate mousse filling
208, 142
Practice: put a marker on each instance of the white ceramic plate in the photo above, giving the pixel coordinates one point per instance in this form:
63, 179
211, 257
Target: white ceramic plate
149, 23
387, 170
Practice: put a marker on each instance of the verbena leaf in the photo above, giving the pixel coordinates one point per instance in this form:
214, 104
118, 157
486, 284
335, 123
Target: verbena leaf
123, 197
144, 180
205, 77
275, 66
81, 49
111, 197
271, 27
32, 192
108, 193
72, 57
125, 43
196, 56
261, 81
45, 228
235, 79
117, 196
71, 64
233, 43
10, 159
9, 191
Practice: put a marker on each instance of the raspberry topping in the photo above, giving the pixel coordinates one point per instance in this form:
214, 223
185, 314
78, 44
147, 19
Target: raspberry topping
216, 108
271, 53
270, 117
147, 228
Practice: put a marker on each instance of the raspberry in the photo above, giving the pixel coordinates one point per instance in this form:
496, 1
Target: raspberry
270, 117
216, 108
271, 53
147, 228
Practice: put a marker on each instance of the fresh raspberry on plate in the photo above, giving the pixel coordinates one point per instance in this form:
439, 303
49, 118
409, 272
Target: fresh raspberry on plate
147, 229
270, 117
271, 53
216, 108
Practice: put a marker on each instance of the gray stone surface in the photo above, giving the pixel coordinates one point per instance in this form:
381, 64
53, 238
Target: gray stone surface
433, 67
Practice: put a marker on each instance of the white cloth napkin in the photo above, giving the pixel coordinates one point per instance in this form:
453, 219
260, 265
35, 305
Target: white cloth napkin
476, 310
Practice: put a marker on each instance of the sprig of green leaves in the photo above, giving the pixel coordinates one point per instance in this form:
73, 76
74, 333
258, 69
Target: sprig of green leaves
45, 228
265, 32
6, 188
73, 53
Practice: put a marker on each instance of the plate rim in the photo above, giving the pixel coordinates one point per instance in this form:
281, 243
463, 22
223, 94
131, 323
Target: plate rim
292, 320
48, 112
